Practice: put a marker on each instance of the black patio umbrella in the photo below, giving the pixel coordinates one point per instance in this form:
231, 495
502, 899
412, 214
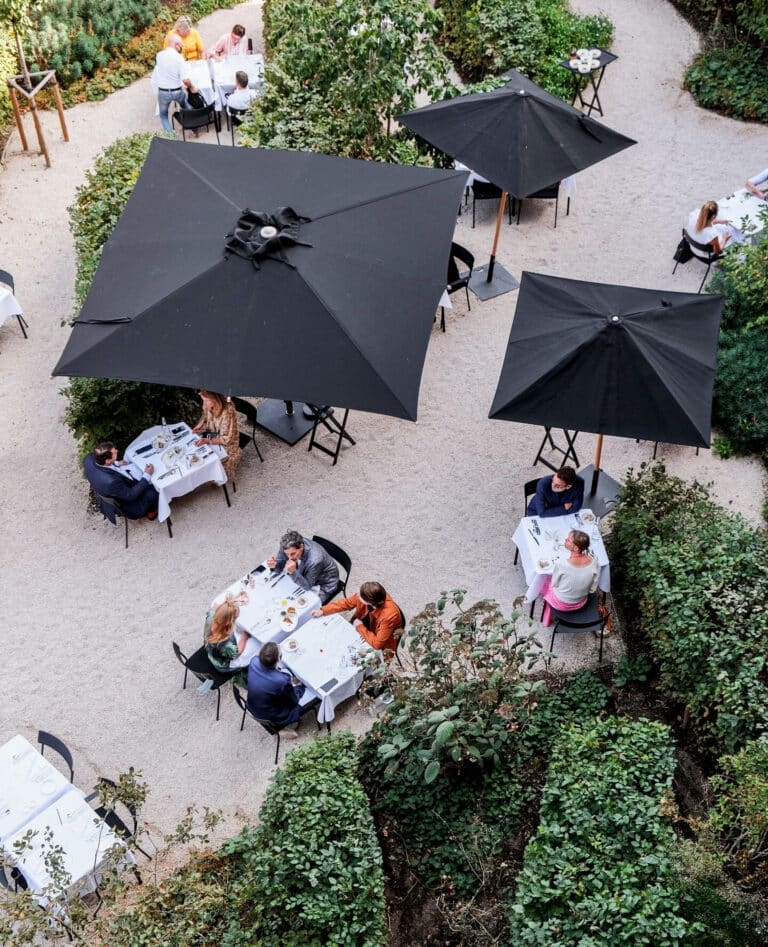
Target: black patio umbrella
611, 360
277, 273
519, 136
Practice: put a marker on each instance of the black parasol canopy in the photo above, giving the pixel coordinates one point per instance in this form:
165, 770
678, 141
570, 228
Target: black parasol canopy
277, 273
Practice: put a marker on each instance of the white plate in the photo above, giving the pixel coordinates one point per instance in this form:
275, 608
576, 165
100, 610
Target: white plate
584, 67
48, 786
595, 53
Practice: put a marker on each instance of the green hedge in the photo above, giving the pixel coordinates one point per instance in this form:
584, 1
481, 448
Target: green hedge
598, 871
102, 408
489, 36
312, 868
732, 80
693, 581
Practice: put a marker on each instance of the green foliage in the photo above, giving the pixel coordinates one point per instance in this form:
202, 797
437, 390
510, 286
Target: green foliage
312, 870
631, 669
695, 581
732, 80
598, 870
339, 71
8, 67
532, 36
102, 408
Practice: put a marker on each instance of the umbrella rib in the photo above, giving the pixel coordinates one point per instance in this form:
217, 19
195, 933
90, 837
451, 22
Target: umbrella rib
206, 182
380, 198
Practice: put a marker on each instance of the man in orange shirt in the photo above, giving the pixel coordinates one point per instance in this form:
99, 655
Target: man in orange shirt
377, 616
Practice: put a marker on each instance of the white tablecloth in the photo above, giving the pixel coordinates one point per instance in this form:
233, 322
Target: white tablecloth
538, 555
262, 615
224, 74
743, 208
28, 785
324, 661
186, 476
9, 306
84, 838
200, 73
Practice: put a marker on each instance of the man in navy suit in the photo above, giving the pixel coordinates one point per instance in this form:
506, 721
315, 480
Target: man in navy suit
272, 694
111, 477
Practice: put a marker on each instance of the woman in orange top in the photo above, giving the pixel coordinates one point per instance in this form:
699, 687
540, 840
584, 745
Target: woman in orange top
191, 41
377, 617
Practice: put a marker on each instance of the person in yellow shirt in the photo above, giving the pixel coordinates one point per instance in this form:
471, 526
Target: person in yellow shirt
191, 41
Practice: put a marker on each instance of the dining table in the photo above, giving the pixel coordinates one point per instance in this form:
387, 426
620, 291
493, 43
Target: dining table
202, 79
746, 212
29, 783
540, 542
223, 73
331, 659
179, 465
10, 307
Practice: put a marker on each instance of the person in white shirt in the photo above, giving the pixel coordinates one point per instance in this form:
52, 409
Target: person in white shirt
706, 227
242, 96
758, 185
172, 80
230, 44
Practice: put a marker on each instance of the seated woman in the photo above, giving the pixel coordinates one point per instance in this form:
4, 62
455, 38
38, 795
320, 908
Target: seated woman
191, 41
573, 579
758, 185
219, 422
377, 616
705, 227
221, 643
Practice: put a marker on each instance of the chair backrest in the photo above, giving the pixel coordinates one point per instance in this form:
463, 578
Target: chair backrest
113, 502
179, 653
336, 552
485, 191
528, 491
703, 248
246, 408
461, 253
236, 115
546, 193
586, 618
242, 703
5, 277
195, 118
58, 746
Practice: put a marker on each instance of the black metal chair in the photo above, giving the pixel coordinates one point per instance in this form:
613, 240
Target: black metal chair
702, 252
528, 491
586, 618
456, 280
551, 193
272, 728
116, 506
234, 119
251, 415
199, 664
485, 191
399, 635
7, 279
337, 553
58, 746
113, 820
194, 119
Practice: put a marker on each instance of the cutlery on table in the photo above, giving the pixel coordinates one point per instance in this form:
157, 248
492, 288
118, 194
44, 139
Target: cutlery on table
533, 537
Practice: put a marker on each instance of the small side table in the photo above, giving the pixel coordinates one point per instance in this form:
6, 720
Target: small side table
584, 80
568, 452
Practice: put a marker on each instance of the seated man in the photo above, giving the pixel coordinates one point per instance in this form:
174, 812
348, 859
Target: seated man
758, 185
242, 96
377, 617
307, 563
111, 477
558, 495
273, 694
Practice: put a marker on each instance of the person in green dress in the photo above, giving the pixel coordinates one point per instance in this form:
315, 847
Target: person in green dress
221, 640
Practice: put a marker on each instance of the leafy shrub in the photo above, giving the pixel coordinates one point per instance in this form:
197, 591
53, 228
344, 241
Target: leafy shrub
532, 36
630, 669
102, 408
732, 81
312, 867
598, 870
339, 71
695, 581
8, 67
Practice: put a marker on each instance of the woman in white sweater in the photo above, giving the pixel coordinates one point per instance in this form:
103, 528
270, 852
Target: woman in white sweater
573, 579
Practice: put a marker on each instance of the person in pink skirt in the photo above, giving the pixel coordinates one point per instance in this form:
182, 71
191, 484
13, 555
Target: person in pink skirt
573, 579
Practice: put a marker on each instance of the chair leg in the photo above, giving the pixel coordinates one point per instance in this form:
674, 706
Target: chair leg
242, 722
466, 290
234, 487
552, 643
277, 747
184, 685
568, 208
169, 525
517, 556
677, 263
258, 452
226, 494
706, 274
218, 701
442, 318
398, 658
473, 211
600, 656
126, 531
519, 208
557, 199
22, 323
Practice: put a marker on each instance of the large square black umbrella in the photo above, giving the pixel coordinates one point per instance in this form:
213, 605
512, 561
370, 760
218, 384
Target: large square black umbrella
611, 360
277, 273
519, 136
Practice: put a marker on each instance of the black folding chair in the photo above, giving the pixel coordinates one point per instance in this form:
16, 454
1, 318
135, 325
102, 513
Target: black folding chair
272, 728
235, 119
457, 280
587, 618
113, 820
341, 557
251, 415
702, 252
485, 191
58, 746
200, 665
551, 193
324, 417
194, 119
528, 491
118, 509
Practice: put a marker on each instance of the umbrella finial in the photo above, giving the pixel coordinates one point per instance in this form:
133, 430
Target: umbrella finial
614, 320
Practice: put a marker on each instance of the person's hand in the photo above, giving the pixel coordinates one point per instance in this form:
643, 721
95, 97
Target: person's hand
149, 469
121, 463
271, 562
200, 441
290, 567
567, 505
295, 681
316, 613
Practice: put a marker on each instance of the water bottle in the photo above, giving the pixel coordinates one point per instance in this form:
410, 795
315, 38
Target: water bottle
166, 432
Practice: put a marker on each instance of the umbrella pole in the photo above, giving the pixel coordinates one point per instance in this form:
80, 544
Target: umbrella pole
499, 218
596, 471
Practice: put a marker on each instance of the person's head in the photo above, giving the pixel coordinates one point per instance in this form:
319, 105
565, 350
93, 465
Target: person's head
269, 654
238, 32
183, 26
223, 622
105, 453
563, 479
241, 78
292, 545
576, 541
212, 401
373, 594
706, 215
174, 41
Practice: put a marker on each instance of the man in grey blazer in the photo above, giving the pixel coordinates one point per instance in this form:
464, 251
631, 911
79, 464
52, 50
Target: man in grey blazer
308, 564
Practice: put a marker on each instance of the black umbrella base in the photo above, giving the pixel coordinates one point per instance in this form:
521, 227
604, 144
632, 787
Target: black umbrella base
288, 427
603, 500
502, 282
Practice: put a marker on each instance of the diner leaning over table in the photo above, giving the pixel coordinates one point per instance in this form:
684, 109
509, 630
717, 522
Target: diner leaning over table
758, 185
219, 635
377, 617
218, 425
558, 495
573, 579
307, 563
706, 227
113, 478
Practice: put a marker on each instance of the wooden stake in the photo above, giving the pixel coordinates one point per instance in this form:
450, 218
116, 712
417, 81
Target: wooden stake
60, 109
17, 116
40, 136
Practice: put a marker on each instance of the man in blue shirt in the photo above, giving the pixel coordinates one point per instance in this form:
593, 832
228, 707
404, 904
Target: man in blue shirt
273, 694
558, 495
